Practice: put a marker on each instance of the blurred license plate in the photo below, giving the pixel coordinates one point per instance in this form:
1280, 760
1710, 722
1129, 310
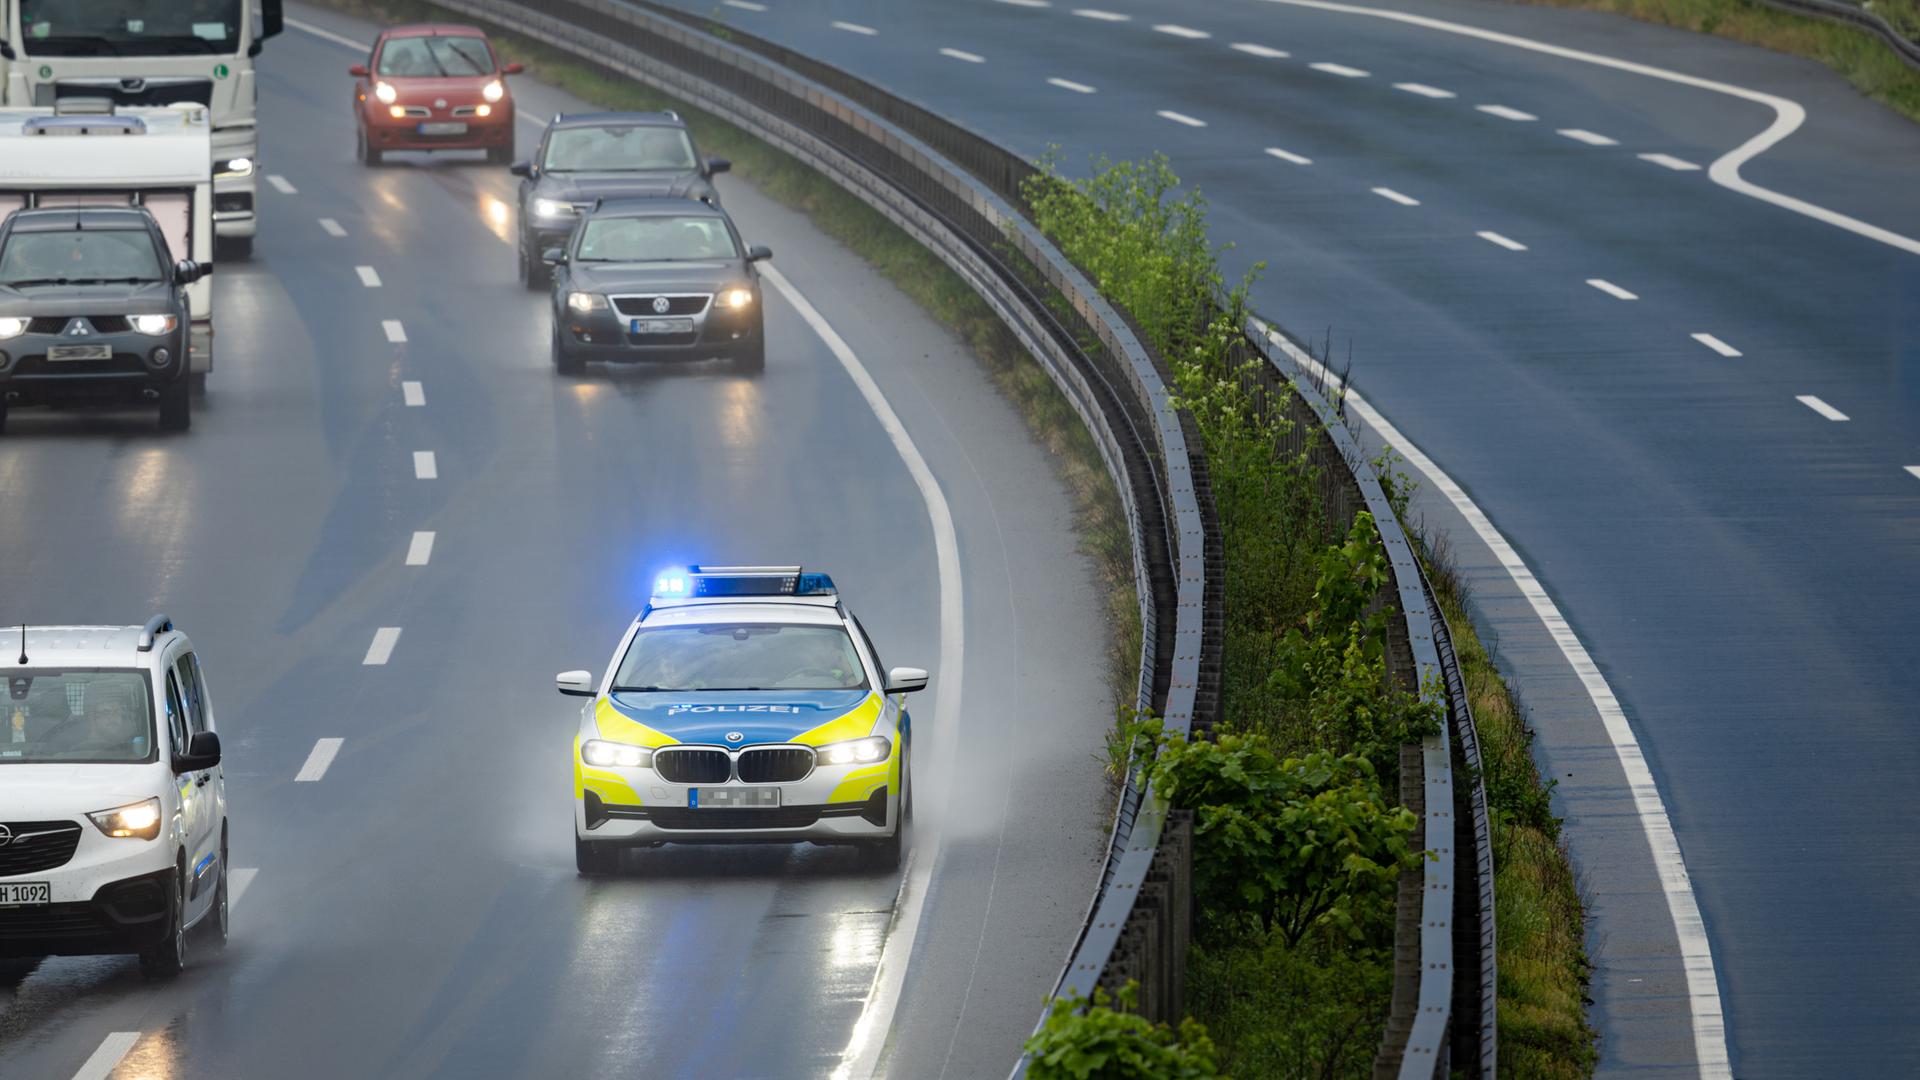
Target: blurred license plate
24, 893
660, 326
708, 798
443, 127
79, 352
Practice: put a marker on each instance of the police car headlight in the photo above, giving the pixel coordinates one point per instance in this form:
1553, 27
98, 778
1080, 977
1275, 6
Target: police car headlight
615, 755
494, 90
736, 298
386, 93
139, 820
240, 166
12, 327
855, 751
550, 208
154, 325
584, 302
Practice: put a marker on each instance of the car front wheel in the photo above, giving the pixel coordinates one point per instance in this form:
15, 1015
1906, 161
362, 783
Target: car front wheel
165, 959
594, 859
564, 362
176, 405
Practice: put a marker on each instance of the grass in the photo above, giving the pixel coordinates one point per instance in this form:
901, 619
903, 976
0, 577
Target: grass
1862, 58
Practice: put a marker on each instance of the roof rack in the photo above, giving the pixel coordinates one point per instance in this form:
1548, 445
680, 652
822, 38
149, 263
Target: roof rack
156, 626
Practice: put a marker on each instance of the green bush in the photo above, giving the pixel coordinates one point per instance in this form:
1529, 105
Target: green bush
1089, 1040
1328, 991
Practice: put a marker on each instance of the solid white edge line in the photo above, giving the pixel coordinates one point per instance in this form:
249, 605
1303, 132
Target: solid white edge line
1263, 51
1591, 138
1668, 161
1492, 237
861, 1058
1176, 30
327, 35
1716, 344
380, 650
331, 227
1821, 407
281, 184
368, 276
1507, 112
239, 878
854, 28
425, 465
1393, 196
1425, 91
395, 332
1288, 155
319, 759
962, 54
1696, 952
420, 549
1069, 84
1611, 289
105, 1058
1725, 171
1341, 70
413, 394
1182, 118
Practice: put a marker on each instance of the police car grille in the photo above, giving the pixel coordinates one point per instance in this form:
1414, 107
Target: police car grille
775, 765
643, 305
783, 817
27, 853
693, 766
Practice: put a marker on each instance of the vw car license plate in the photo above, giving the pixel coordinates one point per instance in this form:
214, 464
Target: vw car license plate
443, 127
732, 797
79, 352
24, 893
660, 326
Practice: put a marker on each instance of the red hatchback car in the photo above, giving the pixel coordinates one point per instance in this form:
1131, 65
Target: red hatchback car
431, 86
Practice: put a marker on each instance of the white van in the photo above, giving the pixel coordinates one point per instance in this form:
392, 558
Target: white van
113, 806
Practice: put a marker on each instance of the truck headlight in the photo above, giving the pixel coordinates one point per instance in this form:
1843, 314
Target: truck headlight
612, 754
12, 327
736, 298
494, 90
154, 325
854, 752
139, 820
240, 166
584, 302
386, 93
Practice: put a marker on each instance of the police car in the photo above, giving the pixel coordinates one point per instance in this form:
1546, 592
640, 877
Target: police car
744, 704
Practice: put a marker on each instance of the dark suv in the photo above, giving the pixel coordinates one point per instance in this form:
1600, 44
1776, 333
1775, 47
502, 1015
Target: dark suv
656, 279
91, 311
592, 156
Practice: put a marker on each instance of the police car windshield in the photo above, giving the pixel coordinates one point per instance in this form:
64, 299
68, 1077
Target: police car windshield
79, 255
75, 716
655, 239
619, 148
744, 656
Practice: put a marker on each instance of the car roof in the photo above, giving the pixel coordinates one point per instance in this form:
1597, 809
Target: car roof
52, 646
613, 119
88, 218
657, 206
434, 30
802, 610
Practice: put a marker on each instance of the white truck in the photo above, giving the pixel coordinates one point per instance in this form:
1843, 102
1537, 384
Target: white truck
151, 53
99, 156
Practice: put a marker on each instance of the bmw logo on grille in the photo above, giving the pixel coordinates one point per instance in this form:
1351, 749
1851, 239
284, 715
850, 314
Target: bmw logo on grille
661, 304
732, 736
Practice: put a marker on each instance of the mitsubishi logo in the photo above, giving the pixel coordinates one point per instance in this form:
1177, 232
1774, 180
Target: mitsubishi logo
732, 736
6, 836
661, 304
78, 328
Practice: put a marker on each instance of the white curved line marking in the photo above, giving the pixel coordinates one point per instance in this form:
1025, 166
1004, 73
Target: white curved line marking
1725, 171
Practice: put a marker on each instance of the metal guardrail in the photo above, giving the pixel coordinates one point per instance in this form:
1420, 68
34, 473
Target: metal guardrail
1856, 15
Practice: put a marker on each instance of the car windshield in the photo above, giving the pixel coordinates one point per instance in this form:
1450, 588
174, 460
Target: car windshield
655, 239
619, 148
129, 28
744, 656
79, 255
80, 715
435, 57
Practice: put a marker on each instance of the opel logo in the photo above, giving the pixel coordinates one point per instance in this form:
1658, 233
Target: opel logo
732, 736
661, 304
6, 836
133, 86
78, 328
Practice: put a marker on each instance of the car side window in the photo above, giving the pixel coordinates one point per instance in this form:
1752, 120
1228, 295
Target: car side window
176, 717
189, 676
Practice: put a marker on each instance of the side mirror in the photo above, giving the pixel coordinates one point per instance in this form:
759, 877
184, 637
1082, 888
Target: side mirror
521, 168
186, 271
272, 18
905, 680
554, 256
574, 683
718, 165
358, 71
513, 68
203, 752
759, 253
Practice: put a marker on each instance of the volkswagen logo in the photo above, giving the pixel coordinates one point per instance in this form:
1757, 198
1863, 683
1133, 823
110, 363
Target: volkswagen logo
6, 836
734, 736
78, 328
661, 304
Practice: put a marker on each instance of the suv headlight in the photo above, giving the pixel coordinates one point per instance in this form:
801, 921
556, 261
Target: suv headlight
154, 325
386, 93
622, 755
584, 302
736, 298
240, 166
494, 90
12, 327
855, 751
135, 820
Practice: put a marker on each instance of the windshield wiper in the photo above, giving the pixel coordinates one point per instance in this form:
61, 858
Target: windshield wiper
203, 44
37, 281
109, 45
111, 280
639, 690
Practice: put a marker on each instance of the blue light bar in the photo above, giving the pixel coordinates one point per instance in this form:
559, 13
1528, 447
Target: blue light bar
715, 581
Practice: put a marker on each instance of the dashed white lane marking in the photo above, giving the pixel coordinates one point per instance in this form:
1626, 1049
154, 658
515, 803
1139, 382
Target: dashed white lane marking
1103, 16
1179, 31
1821, 407
1716, 344
1915, 470
1424, 90
853, 28
413, 394
1284, 155
1263, 51
1505, 112
1341, 70
425, 466
744, 5
1492, 237
328, 35
1393, 196
238, 879
368, 276
395, 332
381, 649
1028, 3
1069, 84
1181, 118
420, 551
332, 227
1668, 161
282, 184
961, 54
321, 756
1611, 289
101, 1063
1591, 138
